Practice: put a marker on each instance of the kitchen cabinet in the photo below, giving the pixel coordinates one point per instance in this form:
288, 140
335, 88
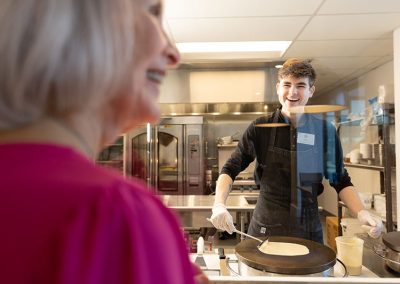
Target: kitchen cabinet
383, 164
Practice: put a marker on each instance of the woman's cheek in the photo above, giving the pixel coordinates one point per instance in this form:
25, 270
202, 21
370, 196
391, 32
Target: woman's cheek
138, 111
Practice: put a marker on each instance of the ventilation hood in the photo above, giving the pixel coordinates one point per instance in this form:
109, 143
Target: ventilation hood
217, 109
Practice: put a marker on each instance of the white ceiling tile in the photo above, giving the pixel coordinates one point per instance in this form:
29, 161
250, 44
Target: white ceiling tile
324, 48
343, 62
380, 61
238, 8
231, 57
326, 73
328, 82
367, 26
241, 29
382, 47
342, 39
359, 6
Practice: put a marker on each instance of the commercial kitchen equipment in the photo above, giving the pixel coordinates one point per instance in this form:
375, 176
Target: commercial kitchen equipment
383, 162
203, 204
244, 182
391, 250
214, 265
318, 262
113, 155
169, 156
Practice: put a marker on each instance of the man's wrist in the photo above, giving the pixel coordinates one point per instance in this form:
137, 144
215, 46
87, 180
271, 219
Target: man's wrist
219, 204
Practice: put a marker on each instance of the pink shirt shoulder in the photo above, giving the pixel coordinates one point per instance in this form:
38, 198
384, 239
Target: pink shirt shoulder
70, 221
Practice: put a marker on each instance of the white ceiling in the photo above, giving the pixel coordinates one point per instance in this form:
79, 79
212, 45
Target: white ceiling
344, 38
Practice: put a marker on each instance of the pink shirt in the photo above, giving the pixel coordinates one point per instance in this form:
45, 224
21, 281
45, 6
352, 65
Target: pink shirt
65, 220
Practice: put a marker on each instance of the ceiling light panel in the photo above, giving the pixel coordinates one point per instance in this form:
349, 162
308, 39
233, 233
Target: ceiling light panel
240, 46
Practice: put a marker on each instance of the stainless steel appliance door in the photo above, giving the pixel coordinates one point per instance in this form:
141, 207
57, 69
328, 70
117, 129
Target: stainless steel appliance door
169, 159
138, 154
194, 162
168, 156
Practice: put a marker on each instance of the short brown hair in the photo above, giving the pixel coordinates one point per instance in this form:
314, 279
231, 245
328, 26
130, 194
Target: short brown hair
298, 69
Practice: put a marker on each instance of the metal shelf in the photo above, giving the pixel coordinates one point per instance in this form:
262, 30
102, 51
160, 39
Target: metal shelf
230, 145
364, 166
385, 171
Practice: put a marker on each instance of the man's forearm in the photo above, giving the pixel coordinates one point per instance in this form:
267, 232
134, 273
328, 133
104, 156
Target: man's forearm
350, 197
223, 187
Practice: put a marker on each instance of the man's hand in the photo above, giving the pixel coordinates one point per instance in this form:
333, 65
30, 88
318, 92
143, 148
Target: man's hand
221, 219
372, 223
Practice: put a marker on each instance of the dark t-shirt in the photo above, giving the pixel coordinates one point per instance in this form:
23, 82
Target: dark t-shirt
255, 141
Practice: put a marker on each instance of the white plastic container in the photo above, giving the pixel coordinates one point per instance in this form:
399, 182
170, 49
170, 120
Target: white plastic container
200, 245
355, 156
350, 251
380, 204
366, 150
351, 227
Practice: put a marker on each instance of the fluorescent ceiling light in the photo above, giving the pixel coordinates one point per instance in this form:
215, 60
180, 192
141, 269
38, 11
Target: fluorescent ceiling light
240, 46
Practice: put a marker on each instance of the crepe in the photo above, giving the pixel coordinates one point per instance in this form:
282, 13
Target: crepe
284, 249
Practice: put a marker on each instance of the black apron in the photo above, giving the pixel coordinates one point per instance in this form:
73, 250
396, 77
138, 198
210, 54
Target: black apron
272, 215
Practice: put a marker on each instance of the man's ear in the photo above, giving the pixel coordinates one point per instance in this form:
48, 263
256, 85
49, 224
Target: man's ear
312, 90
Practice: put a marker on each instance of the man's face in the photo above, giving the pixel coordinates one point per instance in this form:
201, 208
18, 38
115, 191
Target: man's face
293, 92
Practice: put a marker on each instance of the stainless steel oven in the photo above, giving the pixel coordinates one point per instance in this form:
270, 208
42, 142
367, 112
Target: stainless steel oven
169, 156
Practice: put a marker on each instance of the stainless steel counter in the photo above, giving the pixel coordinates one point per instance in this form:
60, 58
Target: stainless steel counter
240, 204
205, 202
375, 263
213, 266
298, 280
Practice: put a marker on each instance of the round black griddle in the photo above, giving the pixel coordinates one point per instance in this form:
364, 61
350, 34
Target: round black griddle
392, 240
318, 260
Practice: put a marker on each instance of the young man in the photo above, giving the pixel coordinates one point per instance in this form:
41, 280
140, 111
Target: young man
303, 151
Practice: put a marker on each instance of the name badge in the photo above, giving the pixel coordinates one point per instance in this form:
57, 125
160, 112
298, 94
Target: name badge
305, 138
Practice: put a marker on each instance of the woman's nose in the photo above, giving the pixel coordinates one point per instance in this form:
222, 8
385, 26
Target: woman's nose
172, 53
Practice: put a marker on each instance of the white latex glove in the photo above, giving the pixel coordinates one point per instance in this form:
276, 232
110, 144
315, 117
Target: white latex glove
371, 223
221, 219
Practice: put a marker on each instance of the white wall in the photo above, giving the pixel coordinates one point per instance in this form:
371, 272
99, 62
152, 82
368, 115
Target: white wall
175, 88
219, 86
355, 95
225, 86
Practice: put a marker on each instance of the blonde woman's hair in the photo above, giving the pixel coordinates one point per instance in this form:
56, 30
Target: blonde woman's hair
59, 56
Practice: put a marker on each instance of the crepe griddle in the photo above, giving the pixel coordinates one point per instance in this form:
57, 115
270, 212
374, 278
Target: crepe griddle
392, 241
318, 260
